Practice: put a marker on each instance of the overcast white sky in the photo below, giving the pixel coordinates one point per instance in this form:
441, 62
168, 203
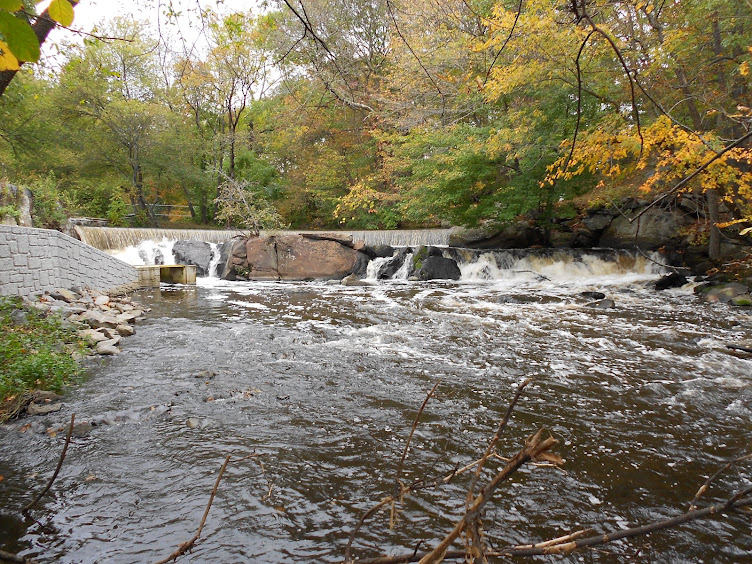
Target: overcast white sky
91, 13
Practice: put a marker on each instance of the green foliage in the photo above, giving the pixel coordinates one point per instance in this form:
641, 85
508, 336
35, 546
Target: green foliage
243, 205
48, 210
12, 211
34, 349
116, 212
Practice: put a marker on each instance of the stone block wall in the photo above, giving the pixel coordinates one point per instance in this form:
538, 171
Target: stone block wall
35, 260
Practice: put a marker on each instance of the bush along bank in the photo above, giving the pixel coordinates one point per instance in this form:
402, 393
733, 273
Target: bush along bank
43, 339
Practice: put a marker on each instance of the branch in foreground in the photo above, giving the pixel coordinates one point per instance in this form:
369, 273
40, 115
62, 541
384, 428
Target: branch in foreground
186, 546
57, 469
565, 545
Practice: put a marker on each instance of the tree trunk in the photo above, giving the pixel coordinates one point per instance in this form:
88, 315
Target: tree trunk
42, 27
714, 240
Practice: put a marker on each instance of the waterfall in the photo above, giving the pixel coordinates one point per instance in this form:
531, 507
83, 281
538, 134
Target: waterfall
216, 257
552, 264
403, 237
119, 238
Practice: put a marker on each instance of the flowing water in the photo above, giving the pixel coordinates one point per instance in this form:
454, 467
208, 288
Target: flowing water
118, 238
323, 382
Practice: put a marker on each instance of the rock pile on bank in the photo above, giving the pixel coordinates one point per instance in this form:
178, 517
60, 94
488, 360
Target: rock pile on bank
101, 320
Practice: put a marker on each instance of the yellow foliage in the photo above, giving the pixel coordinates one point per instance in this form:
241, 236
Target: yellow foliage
7, 60
668, 155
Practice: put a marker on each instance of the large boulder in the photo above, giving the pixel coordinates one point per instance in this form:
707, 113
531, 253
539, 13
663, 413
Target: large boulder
517, 235
292, 257
197, 253
299, 258
437, 268
655, 228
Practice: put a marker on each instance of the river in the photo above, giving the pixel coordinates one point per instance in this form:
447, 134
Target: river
323, 382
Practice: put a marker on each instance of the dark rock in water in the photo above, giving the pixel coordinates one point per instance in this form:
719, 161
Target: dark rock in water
593, 295
437, 267
197, 253
390, 267
673, 280
603, 304
726, 293
379, 251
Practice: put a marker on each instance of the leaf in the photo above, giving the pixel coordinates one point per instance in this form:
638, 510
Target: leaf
11, 5
7, 60
62, 12
20, 38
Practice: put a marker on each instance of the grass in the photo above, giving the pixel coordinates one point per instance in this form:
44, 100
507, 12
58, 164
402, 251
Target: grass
37, 352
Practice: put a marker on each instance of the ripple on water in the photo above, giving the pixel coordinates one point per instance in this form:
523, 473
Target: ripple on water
321, 384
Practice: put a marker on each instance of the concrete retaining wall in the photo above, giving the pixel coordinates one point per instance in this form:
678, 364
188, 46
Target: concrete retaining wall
35, 260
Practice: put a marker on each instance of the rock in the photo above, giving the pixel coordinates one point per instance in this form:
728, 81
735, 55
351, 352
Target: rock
673, 280
198, 253
19, 318
102, 300
389, 268
45, 396
96, 319
352, 280
437, 267
512, 236
743, 301
292, 257
193, 422
64, 295
206, 375
602, 304
341, 238
379, 251
93, 335
726, 293
593, 295
656, 228
125, 330
107, 348
43, 409
127, 317
598, 220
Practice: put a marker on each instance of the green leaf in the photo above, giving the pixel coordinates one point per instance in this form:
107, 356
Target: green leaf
61, 11
11, 5
21, 39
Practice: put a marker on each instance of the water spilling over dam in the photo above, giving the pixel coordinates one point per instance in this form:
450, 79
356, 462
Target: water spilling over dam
119, 238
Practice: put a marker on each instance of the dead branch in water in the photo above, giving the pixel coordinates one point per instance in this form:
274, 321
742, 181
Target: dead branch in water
398, 485
57, 470
186, 546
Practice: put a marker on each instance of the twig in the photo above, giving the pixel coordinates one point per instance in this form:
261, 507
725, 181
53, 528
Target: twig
398, 485
697, 171
706, 485
596, 540
534, 447
186, 546
57, 470
494, 440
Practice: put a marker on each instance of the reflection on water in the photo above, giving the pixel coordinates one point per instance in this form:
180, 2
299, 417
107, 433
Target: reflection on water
324, 381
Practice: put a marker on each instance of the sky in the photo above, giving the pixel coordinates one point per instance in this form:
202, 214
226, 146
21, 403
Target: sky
91, 13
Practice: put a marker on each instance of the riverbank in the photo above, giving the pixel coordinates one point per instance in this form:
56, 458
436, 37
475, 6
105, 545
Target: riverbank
43, 340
